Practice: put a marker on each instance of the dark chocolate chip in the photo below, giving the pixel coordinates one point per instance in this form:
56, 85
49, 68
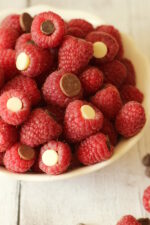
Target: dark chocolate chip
26, 152
26, 22
31, 42
144, 221
47, 27
146, 160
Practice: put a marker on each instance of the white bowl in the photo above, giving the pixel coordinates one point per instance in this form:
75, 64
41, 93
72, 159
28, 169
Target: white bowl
142, 68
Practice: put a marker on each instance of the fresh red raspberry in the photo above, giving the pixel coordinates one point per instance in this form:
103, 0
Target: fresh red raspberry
8, 134
146, 199
75, 31
57, 113
108, 101
94, 149
19, 158
2, 79
74, 54
115, 73
54, 88
8, 63
1, 158
33, 61
131, 93
48, 30
131, 119
128, 220
91, 80
116, 34
35, 168
55, 157
8, 38
131, 76
39, 128
108, 41
13, 22
14, 107
81, 120
109, 129
84, 25
23, 40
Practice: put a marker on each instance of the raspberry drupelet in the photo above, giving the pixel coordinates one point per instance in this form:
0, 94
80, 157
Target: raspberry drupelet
146, 199
128, 220
8, 38
131, 75
94, 149
75, 31
24, 39
48, 30
55, 157
61, 87
131, 93
19, 158
13, 22
14, 107
81, 120
2, 78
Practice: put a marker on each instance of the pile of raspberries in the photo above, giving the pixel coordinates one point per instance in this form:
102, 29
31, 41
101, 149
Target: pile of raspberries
67, 93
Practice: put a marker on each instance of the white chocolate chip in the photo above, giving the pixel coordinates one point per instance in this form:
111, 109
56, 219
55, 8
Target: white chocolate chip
50, 157
14, 104
100, 49
87, 112
22, 61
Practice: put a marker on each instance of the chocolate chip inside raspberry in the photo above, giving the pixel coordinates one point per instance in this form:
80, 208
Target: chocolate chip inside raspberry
146, 160
26, 152
25, 22
70, 85
144, 221
47, 27
31, 42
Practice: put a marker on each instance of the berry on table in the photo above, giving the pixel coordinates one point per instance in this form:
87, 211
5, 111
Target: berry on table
131, 75
131, 93
24, 39
146, 199
8, 38
12, 22
128, 220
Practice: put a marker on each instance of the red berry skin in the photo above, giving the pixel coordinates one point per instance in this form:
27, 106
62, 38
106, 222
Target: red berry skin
74, 54
116, 34
146, 199
131, 93
128, 220
12, 22
26, 85
52, 92
108, 100
2, 79
91, 80
35, 168
8, 134
8, 38
114, 72
10, 117
131, 119
8, 63
39, 128
109, 129
24, 39
1, 158
48, 41
14, 163
56, 112
94, 149
75, 32
84, 25
109, 41
131, 75
64, 157
77, 128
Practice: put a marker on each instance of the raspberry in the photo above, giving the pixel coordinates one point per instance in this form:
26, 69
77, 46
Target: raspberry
35, 168
14, 107
32, 61
131, 119
39, 128
8, 136
19, 158
23, 40
94, 149
7, 62
48, 30
75, 31
60, 88
131, 93
108, 101
12, 22
26, 85
104, 45
131, 76
8, 38
128, 220
74, 54
57, 113
116, 34
81, 120
55, 157
2, 79
146, 199
109, 129
115, 73
84, 25
92, 80
1, 158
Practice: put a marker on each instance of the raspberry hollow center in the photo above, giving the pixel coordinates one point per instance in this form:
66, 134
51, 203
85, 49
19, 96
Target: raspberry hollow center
87, 112
100, 49
47, 27
14, 104
50, 157
23, 61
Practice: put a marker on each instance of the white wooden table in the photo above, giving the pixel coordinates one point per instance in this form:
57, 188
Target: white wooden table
102, 197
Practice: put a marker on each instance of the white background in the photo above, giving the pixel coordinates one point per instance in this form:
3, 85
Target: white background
103, 197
